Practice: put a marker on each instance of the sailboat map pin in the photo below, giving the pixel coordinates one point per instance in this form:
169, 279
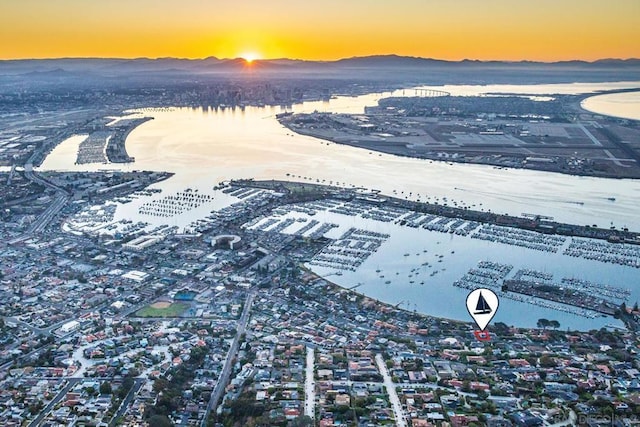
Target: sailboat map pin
482, 305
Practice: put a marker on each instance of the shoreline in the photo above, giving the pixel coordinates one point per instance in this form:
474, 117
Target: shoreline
422, 137
435, 158
313, 191
635, 118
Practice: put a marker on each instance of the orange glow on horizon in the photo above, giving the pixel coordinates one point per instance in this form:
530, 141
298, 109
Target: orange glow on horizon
544, 30
249, 57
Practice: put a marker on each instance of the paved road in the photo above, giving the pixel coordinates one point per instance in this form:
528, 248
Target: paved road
228, 363
590, 135
310, 385
61, 199
391, 391
35, 329
127, 400
11, 175
45, 218
12, 319
61, 394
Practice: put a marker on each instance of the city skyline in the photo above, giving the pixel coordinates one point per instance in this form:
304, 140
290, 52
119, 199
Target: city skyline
455, 30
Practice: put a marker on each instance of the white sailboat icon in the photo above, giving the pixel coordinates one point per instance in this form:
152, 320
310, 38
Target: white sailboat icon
482, 305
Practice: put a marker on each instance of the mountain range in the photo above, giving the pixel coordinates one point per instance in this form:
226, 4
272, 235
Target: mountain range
394, 70
108, 66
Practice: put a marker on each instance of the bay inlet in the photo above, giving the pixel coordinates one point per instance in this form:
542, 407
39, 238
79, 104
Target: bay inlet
204, 146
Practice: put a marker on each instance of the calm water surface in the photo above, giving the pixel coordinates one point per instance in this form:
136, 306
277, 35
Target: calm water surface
206, 146
623, 105
401, 259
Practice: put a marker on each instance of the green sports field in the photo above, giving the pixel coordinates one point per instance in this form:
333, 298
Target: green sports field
174, 309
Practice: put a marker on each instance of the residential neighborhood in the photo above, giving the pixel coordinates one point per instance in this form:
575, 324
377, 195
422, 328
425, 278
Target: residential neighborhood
200, 329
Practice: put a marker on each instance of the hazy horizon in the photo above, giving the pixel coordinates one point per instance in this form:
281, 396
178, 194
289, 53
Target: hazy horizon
382, 55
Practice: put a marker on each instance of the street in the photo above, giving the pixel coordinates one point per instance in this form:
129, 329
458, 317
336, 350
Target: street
228, 364
309, 385
391, 391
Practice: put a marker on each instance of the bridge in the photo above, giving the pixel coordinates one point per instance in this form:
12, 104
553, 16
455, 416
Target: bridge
430, 93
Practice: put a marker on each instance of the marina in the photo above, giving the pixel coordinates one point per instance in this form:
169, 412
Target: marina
515, 237
522, 287
439, 249
410, 254
302, 214
93, 148
176, 204
350, 250
622, 254
583, 301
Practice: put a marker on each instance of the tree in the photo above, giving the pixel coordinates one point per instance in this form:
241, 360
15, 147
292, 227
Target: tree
127, 383
419, 363
554, 324
547, 361
105, 388
543, 323
501, 328
35, 408
160, 421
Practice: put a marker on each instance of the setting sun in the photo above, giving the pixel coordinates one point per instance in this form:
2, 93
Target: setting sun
249, 57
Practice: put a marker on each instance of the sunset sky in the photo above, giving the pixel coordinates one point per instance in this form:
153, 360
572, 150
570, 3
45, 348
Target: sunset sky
544, 30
